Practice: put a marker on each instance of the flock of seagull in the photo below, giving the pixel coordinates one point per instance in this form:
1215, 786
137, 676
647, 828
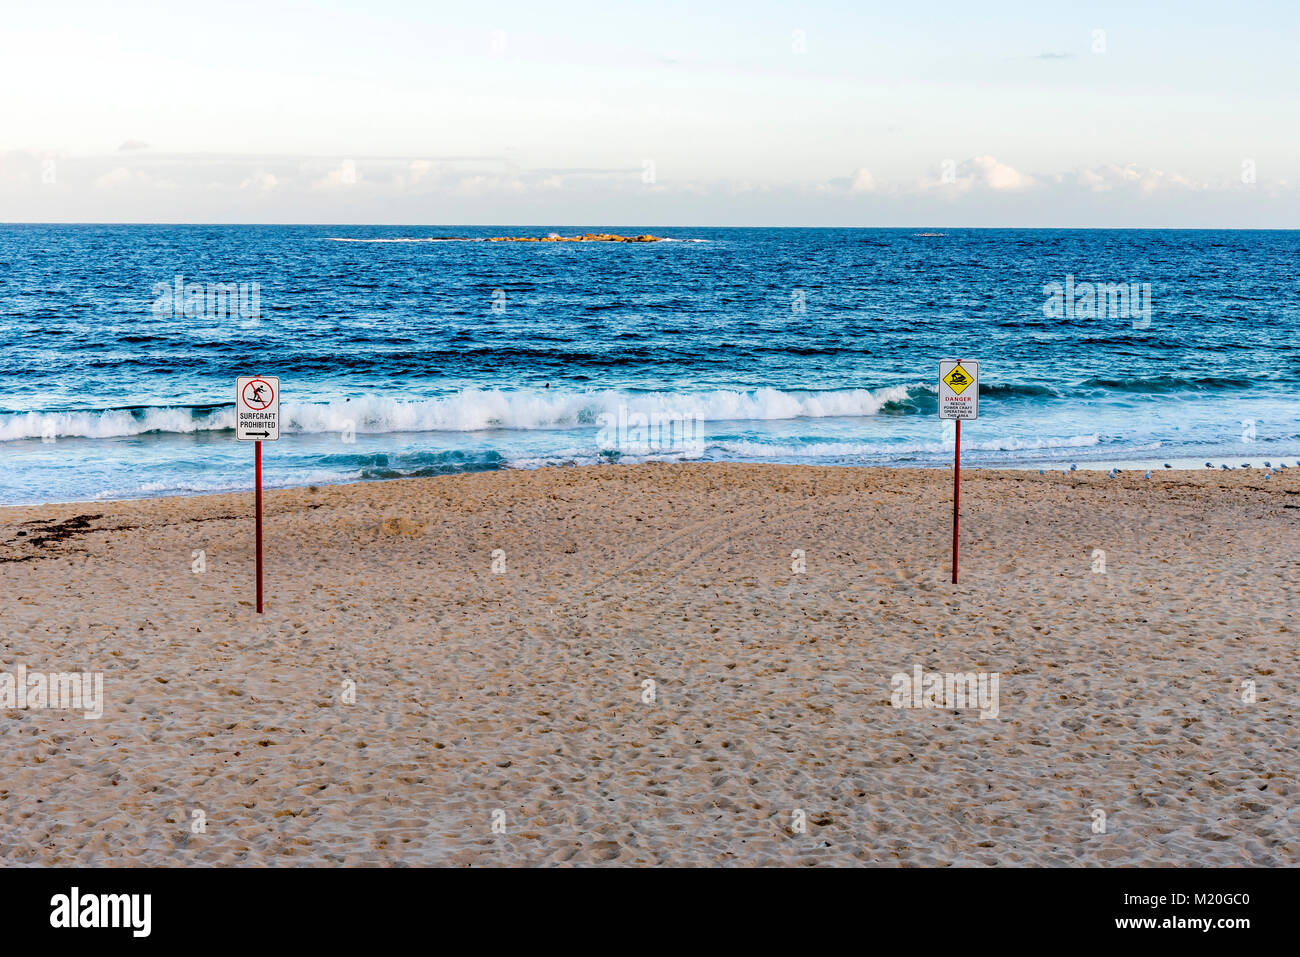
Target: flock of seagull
1268, 467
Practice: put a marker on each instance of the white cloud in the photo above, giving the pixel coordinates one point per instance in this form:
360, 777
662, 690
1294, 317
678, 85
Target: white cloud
344, 176
975, 175
261, 181
1107, 177
993, 174
980, 190
483, 184
121, 176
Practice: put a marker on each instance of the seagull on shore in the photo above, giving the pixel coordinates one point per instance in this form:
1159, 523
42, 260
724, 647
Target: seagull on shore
1245, 465
1268, 465
1225, 468
1168, 466
1111, 473
1148, 475
1042, 472
1073, 468
1208, 465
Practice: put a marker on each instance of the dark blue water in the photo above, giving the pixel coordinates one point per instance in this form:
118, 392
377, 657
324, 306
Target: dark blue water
404, 356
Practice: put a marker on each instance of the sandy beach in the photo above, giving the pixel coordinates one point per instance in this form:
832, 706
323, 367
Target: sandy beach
503, 716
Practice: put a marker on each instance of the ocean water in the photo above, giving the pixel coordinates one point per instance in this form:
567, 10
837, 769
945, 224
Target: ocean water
407, 351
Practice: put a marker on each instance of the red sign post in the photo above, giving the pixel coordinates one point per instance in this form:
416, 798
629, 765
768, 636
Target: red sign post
257, 498
257, 417
956, 511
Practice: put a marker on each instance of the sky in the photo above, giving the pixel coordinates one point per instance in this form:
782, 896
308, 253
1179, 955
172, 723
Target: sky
758, 113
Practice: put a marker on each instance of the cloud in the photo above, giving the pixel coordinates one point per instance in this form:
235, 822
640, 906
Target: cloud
343, 176
978, 174
987, 174
262, 181
860, 182
1111, 176
982, 189
117, 178
993, 174
484, 184
133, 145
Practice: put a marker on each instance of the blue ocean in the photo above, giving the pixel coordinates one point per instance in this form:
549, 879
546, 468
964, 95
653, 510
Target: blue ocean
417, 351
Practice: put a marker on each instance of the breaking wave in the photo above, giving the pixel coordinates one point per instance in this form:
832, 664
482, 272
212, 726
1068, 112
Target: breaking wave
470, 410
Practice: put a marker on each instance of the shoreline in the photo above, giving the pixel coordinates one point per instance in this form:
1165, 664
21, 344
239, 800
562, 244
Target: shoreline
1127, 466
498, 630
1285, 482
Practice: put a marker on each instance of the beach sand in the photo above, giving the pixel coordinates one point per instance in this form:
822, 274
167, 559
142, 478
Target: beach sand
517, 697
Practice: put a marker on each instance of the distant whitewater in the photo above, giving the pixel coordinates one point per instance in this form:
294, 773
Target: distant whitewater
410, 351
469, 410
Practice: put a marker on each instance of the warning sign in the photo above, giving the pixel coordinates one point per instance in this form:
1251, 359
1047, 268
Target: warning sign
257, 408
958, 379
959, 389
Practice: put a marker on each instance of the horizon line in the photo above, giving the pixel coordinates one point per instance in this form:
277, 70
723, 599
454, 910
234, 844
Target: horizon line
632, 226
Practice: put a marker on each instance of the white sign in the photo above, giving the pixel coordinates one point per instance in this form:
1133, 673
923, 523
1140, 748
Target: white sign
257, 408
959, 389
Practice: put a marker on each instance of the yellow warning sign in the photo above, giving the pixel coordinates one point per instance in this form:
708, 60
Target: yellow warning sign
958, 379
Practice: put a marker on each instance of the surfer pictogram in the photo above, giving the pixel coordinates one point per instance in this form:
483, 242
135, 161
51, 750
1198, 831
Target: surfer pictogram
258, 394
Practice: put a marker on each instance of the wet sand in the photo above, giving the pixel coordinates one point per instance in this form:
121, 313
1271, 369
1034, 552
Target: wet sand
518, 697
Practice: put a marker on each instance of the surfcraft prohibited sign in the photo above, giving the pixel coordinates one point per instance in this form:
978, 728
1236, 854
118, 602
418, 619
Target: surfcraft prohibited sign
959, 389
257, 408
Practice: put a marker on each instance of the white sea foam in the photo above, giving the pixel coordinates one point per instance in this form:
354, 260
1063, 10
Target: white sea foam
110, 423
768, 450
470, 410
216, 483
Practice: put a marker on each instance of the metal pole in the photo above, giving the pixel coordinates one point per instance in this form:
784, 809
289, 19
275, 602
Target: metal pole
257, 470
956, 501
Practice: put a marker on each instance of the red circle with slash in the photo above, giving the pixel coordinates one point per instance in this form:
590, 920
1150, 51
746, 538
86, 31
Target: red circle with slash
252, 396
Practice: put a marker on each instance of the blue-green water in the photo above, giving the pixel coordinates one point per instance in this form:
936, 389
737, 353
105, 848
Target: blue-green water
399, 355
